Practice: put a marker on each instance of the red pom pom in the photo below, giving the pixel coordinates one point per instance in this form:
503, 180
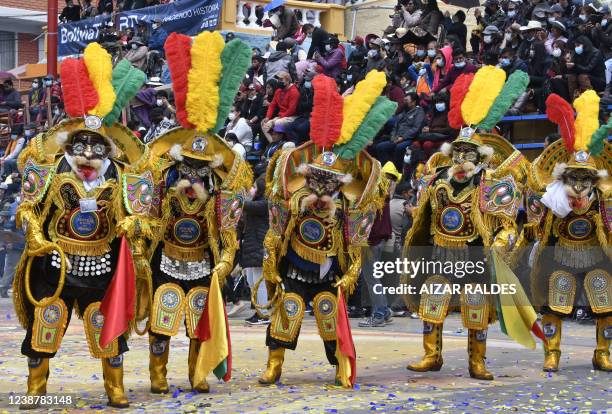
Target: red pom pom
178, 54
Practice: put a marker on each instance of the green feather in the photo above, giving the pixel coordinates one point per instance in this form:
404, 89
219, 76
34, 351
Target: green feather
235, 60
599, 137
127, 81
513, 88
377, 116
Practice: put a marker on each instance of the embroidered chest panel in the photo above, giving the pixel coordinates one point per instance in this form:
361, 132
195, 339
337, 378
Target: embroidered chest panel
316, 235
451, 214
577, 228
186, 227
78, 225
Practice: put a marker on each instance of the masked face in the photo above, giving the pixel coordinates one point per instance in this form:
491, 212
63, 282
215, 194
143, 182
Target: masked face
465, 158
193, 175
88, 152
578, 184
322, 188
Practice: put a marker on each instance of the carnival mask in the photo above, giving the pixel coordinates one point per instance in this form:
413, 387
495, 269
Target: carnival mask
323, 187
578, 184
88, 151
465, 158
193, 175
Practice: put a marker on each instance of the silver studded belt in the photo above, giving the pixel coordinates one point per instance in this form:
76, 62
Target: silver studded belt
84, 266
184, 270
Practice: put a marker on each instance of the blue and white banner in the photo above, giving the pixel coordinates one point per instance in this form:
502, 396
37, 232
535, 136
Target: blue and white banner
189, 17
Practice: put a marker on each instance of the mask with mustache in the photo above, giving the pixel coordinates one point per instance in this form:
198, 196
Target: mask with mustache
465, 159
193, 175
87, 154
579, 184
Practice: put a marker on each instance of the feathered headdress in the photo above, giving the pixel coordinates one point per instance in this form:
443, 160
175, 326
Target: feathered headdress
97, 92
582, 136
347, 126
206, 74
480, 100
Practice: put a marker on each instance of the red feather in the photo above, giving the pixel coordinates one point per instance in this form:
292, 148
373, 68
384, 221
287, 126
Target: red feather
326, 115
559, 111
178, 53
80, 95
458, 92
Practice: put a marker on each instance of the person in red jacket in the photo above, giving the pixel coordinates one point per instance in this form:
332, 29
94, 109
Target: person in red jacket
282, 109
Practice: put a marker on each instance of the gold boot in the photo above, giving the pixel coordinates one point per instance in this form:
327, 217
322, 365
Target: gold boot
112, 372
158, 359
276, 357
551, 325
432, 344
38, 372
194, 348
477, 348
601, 356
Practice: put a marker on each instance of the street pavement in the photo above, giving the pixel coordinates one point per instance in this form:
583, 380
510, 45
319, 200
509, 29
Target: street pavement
383, 383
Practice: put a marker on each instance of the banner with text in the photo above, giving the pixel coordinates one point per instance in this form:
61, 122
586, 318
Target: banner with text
189, 17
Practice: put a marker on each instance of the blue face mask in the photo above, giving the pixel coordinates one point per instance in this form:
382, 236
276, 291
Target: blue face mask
579, 50
505, 62
420, 53
460, 64
440, 106
307, 84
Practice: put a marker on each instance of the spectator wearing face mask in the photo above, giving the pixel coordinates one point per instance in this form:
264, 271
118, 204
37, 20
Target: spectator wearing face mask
36, 99
239, 127
8, 162
410, 14
558, 72
512, 16
376, 59
407, 127
537, 68
283, 108
460, 66
137, 53
236, 145
161, 101
528, 34
332, 60
512, 38
602, 36
491, 45
458, 28
436, 130
557, 32
587, 67
317, 36
252, 108
510, 62
159, 124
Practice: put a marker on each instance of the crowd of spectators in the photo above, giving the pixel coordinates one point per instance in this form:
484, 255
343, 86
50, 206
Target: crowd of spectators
565, 47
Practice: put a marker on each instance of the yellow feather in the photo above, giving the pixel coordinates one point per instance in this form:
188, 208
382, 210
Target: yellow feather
100, 69
203, 79
587, 118
487, 84
357, 105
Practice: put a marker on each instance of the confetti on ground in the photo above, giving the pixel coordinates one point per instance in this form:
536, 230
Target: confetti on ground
384, 384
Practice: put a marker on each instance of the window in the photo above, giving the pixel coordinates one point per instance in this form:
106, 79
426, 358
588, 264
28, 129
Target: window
8, 41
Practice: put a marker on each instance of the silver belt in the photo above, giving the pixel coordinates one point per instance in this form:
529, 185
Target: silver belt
84, 266
184, 270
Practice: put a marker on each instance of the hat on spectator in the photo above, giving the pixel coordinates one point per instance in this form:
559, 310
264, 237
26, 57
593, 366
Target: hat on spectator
532, 25
378, 42
556, 8
541, 10
369, 37
137, 40
492, 3
358, 40
605, 9
389, 169
154, 81
490, 30
559, 26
